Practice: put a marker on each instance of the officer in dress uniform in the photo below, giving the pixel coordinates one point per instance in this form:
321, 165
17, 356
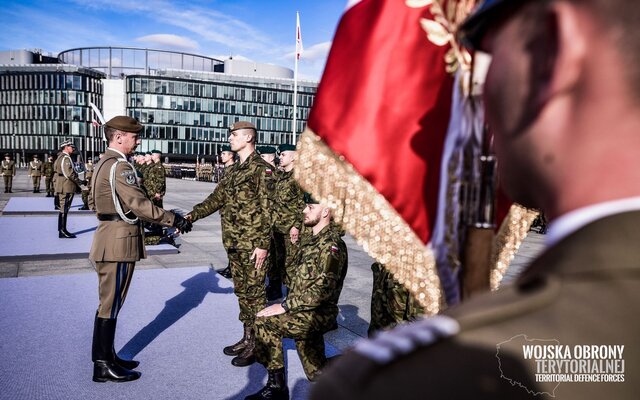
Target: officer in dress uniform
35, 172
245, 197
310, 308
120, 204
86, 190
562, 73
8, 170
47, 171
66, 184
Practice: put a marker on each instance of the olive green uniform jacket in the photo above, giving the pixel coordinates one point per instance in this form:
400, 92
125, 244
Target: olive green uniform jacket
584, 290
67, 180
118, 240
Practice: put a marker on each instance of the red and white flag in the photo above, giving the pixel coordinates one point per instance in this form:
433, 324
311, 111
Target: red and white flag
375, 136
299, 48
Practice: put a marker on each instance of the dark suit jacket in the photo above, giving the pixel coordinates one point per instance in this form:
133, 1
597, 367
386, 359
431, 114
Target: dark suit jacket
585, 290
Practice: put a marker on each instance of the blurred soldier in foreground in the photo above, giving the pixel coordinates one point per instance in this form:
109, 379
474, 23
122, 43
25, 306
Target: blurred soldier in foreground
120, 205
66, 185
310, 308
8, 170
244, 196
35, 172
287, 222
391, 302
47, 171
86, 191
562, 98
228, 159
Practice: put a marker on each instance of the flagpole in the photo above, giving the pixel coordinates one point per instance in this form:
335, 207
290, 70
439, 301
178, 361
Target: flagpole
295, 77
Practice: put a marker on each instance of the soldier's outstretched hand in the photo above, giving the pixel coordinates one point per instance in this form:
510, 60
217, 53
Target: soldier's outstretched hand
274, 309
183, 225
260, 255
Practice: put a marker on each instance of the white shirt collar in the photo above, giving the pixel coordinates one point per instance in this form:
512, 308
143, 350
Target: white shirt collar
118, 151
570, 222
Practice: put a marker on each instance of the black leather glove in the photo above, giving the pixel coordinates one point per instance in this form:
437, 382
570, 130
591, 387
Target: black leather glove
183, 225
85, 182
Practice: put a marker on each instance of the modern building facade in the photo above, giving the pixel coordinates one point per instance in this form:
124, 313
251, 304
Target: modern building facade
43, 104
185, 101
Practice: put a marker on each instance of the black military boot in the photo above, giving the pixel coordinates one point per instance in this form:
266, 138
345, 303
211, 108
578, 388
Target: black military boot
275, 389
128, 364
237, 347
247, 357
226, 272
105, 367
56, 201
64, 227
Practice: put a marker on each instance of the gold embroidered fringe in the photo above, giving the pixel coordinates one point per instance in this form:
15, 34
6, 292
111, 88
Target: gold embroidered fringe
512, 233
366, 214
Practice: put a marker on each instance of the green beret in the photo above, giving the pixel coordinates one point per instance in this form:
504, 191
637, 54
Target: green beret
267, 150
308, 199
148, 153
124, 124
241, 125
286, 147
226, 147
156, 152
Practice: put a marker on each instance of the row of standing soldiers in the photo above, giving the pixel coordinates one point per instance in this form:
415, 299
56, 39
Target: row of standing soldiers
36, 170
152, 179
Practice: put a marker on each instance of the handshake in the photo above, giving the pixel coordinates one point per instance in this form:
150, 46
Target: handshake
182, 224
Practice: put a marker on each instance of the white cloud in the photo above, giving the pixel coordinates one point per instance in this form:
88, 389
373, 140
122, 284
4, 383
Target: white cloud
170, 41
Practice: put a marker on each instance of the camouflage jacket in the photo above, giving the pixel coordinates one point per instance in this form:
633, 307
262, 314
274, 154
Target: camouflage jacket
225, 215
289, 203
321, 268
47, 169
243, 196
391, 302
155, 180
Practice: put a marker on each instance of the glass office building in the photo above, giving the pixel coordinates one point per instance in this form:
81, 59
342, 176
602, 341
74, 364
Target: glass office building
186, 101
43, 104
190, 117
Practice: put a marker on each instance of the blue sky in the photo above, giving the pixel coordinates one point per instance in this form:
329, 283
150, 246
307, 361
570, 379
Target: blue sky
262, 31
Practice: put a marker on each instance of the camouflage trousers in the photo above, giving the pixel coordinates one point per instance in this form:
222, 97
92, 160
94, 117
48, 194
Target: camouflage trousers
309, 342
49, 184
85, 197
285, 253
391, 302
248, 284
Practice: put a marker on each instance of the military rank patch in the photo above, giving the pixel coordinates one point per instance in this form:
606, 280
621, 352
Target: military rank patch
129, 177
387, 346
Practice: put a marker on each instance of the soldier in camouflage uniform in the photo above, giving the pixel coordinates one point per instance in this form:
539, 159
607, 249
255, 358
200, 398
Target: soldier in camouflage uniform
310, 309
47, 171
228, 159
268, 153
287, 217
86, 191
155, 183
243, 198
391, 302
